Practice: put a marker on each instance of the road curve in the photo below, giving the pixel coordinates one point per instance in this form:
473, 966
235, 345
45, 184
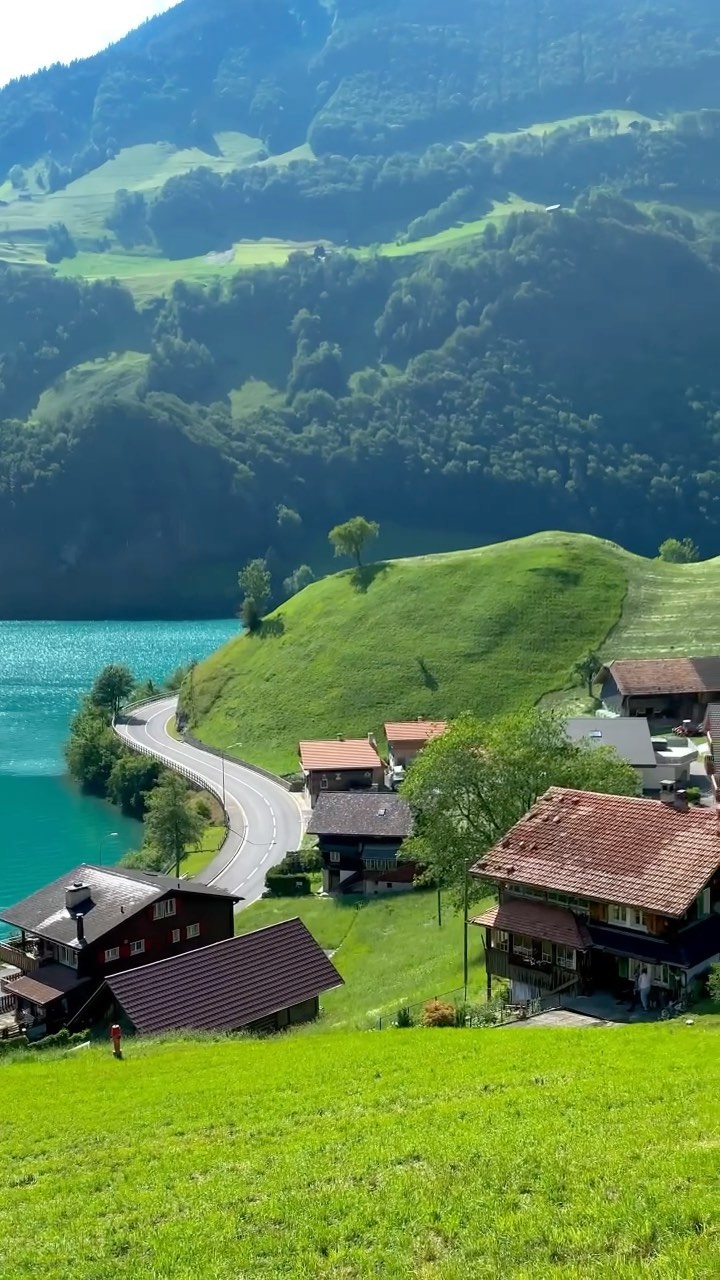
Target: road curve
265, 819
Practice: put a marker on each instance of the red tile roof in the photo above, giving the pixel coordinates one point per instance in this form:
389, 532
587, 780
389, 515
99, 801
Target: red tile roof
345, 753
419, 731
639, 853
227, 985
537, 920
638, 678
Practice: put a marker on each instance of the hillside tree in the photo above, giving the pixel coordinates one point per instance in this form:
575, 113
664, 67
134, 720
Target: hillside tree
351, 538
678, 551
587, 668
171, 822
255, 582
469, 787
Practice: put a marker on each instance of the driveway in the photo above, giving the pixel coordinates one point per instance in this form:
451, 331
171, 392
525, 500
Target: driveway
265, 819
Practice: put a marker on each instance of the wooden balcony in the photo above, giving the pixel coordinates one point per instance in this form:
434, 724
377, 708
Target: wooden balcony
516, 968
22, 960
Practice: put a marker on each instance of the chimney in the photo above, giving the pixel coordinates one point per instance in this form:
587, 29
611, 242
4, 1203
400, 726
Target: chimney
667, 792
80, 925
76, 893
681, 800
372, 740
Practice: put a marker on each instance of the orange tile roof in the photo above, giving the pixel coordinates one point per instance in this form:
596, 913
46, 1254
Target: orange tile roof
537, 920
641, 677
639, 853
414, 730
347, 753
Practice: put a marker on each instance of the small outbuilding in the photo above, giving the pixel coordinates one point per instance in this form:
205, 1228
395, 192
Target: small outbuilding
655, 760
340, 764
661, 689
262, 981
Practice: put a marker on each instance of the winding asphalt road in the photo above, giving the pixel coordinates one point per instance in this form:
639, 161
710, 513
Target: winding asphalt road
265, 819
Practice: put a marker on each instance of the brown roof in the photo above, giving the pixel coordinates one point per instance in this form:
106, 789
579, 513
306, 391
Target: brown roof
345, 753
48, 983
639, 677
537, 920
414, 730
639, 853
229, 984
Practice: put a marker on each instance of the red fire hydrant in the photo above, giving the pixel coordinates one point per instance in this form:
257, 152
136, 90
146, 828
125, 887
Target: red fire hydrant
116, 1037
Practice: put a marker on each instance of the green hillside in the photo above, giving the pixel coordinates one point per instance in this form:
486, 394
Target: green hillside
491, 630
417, 1155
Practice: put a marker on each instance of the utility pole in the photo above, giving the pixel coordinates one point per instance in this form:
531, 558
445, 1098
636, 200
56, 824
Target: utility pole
465, 927
439, 906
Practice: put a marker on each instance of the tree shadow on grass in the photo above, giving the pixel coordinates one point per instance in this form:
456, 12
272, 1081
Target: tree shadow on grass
270, 628
363, 577
427, 676
563, 577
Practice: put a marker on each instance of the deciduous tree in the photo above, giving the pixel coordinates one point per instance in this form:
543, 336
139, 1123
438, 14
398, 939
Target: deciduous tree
255, 583
467, 788
112, 687
586, 669
171, 823
350, 538
679, 551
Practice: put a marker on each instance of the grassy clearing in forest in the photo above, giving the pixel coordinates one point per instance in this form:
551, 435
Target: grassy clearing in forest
551, 1154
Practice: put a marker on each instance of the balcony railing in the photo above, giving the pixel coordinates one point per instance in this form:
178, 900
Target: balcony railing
545, 977
25, 961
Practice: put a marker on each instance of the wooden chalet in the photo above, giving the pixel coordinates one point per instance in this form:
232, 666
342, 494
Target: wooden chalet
661, 689
359, 839
340, 764
406, 739
593, 887
72, 934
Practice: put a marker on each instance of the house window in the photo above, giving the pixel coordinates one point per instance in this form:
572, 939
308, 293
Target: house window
334, 856
137, 948
323, 783
192, 931
176, 935
703, 903
546, 953
522, 944
628, 917
112, 953
566, 958
163, 909
67, 956
501, 939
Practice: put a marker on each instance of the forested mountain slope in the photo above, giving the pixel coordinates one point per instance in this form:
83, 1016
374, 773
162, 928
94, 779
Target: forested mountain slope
468, 335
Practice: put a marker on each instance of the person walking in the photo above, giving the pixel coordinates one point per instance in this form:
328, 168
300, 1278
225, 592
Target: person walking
644, 985
635, 998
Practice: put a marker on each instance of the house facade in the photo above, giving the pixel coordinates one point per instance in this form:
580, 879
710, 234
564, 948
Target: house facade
661, 689
75, 932
359, 838
406, 739
340, 764
591, 888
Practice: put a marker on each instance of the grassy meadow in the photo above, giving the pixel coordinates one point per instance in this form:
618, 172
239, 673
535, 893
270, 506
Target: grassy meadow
489, 630
411, 1155
389, 950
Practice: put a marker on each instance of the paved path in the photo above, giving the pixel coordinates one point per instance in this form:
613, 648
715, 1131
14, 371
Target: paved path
265, 819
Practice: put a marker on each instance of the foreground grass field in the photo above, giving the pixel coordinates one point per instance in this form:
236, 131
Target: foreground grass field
437, 1155
491, 630
389, 950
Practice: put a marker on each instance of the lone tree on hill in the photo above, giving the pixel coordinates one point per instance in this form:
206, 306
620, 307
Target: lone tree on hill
256, 584
350, 538
112, 687
586, 670
171, 823
677, 551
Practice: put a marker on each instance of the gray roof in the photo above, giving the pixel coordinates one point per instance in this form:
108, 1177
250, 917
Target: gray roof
227, 985
630, 736
370, 813
115, 893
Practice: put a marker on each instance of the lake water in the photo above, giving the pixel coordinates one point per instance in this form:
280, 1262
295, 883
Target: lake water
45, 667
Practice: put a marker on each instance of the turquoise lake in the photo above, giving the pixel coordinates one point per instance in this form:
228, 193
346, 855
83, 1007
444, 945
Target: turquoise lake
45, 667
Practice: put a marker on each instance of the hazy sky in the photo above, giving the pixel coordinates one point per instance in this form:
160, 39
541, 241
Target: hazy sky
38, 32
